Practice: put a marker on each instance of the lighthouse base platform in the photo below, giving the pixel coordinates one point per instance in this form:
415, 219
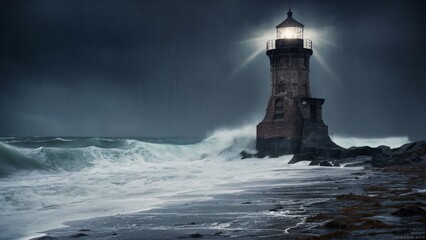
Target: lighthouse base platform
314, 136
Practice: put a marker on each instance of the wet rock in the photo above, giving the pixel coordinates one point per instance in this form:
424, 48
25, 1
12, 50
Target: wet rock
318, 218
325, 164
246, 203
80, 234
336, 224
360, 151
355, 197
334, 235
405, 155
314, 163
372, 224
195, 235
409, 211
387, 161
245, 155
385, 149
84, 230
356, 224
416, 159
382, 156
276, 208
307, 156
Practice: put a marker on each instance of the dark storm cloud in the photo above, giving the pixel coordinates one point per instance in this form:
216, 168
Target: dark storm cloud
175, 68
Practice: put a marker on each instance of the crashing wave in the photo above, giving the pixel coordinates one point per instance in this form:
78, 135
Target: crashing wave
76, 154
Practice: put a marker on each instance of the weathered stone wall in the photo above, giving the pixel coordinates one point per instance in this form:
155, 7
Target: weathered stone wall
293, 120
311, 108
289, 130
275, 147
315, 135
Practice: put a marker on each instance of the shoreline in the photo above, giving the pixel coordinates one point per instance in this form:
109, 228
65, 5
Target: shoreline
356, 205
250, 213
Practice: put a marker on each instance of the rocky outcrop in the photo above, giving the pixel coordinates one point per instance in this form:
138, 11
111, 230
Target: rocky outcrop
382, 156
406, 154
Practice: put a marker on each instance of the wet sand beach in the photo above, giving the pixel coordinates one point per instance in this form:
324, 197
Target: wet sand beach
358, 204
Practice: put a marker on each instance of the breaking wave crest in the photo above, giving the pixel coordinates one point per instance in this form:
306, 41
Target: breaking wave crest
76, 154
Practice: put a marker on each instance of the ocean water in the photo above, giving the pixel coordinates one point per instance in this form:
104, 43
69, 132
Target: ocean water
46, 181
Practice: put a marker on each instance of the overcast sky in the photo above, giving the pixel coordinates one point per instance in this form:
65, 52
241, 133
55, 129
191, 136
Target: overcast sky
184, 68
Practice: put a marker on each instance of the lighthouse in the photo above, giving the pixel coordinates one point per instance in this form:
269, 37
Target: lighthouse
293, 120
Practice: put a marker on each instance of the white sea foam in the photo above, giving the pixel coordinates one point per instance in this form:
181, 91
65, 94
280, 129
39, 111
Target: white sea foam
348, 142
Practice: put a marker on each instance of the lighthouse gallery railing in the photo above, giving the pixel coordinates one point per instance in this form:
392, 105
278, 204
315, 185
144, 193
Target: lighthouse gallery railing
271, 44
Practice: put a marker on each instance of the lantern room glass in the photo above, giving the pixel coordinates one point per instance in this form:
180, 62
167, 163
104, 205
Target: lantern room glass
290, 32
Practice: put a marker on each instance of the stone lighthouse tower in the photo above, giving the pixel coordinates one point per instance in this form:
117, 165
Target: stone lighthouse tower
293, 121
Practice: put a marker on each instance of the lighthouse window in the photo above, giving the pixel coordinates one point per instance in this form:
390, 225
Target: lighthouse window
290, 32
281, 87
279, 103
279, 116
279, 109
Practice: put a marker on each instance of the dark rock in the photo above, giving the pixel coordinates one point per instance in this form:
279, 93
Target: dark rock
355, 197
276, 208
377, 205
387, 161
409, 211
77, 235
336, 225
319, 217
401, 231
416, 159
218, 234
336, 165
195, 235
314, 163
114, 234
84, 230
245, 155
382, 156
325, 164
246, 203
316, 154
372, 224
333, 235
360, 151
385, 149
405, 155
307, 156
